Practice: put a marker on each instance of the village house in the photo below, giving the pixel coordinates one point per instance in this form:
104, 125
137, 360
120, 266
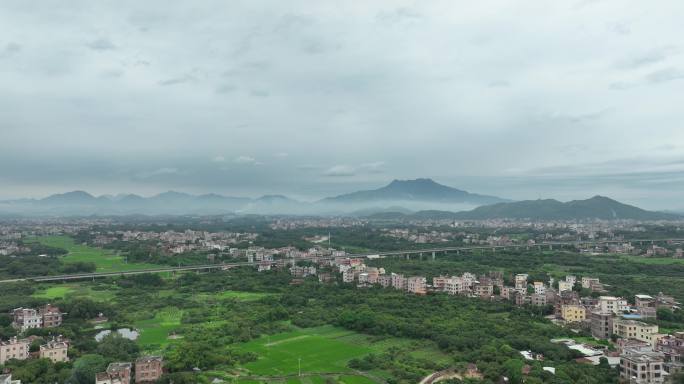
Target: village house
616, 305
638, 366
573, 313
565, 286
148, 369
416, 285
55, 350
646, 306
632, 329
14, 349
601, 324
116, 373
51, 316
26, 318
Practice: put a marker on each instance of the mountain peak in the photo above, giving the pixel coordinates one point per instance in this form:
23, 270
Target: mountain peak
420, 190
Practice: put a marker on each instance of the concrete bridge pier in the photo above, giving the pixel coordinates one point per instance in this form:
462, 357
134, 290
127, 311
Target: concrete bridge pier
407, 257
433, 255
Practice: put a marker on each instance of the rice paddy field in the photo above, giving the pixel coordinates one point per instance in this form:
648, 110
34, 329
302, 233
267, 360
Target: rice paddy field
154, 332
323, 353
105, 260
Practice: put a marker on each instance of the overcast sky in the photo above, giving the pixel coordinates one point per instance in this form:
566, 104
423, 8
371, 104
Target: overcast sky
520, 99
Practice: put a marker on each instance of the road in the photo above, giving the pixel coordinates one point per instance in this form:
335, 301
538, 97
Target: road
404, 253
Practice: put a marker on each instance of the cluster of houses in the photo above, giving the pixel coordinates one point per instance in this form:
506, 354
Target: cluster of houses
47, 316
178, 242
147, 369
644, 354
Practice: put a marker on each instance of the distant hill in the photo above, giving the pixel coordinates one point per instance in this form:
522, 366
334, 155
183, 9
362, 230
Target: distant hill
597, 207
418, 190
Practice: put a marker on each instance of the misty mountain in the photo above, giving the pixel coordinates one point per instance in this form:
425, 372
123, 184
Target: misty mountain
597, 207
409, 199
418, 190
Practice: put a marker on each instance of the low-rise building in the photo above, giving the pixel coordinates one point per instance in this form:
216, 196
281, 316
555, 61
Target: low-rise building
26, 318
416, 285
573, 313
642, 367
55, 350
116, 373
632, 329
601, 324
565, 286
148, 369
51, 316
14, 349
617, 305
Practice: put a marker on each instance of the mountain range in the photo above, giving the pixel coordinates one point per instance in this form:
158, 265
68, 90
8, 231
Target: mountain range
418, 198
597, 207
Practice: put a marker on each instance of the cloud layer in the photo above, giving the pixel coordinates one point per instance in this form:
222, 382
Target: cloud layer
551, 99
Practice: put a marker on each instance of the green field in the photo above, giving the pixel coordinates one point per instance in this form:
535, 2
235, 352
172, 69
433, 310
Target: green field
318, 349
73, 290
154, 332
324, 352
105, 261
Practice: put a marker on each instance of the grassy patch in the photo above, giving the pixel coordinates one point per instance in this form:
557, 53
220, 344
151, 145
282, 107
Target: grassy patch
105, 260
317, 349
62, 291
154, 332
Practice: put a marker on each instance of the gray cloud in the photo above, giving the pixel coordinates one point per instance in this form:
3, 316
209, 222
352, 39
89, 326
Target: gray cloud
477, 97
10, 49
101, 44
664, 75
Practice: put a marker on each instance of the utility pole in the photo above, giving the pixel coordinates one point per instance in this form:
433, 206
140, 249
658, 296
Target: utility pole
300, 366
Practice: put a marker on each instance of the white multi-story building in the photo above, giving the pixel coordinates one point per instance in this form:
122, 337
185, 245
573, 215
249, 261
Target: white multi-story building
521, 283
539, 288
565, 286
616, 305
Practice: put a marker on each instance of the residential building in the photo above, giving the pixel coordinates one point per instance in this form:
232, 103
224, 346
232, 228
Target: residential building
26, 318
638, 366
539, 288
571, 279
14, 349
672, 346
601, 324
348, 276
417, 285
51, 316
455, 285
385, 281
588, 281
116, 373
646, 306
537, 299
55, 350
439, 283
521, 283
632, 329
483, 289
399, 282
148, 369
564, 286
573, 313
617, 305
